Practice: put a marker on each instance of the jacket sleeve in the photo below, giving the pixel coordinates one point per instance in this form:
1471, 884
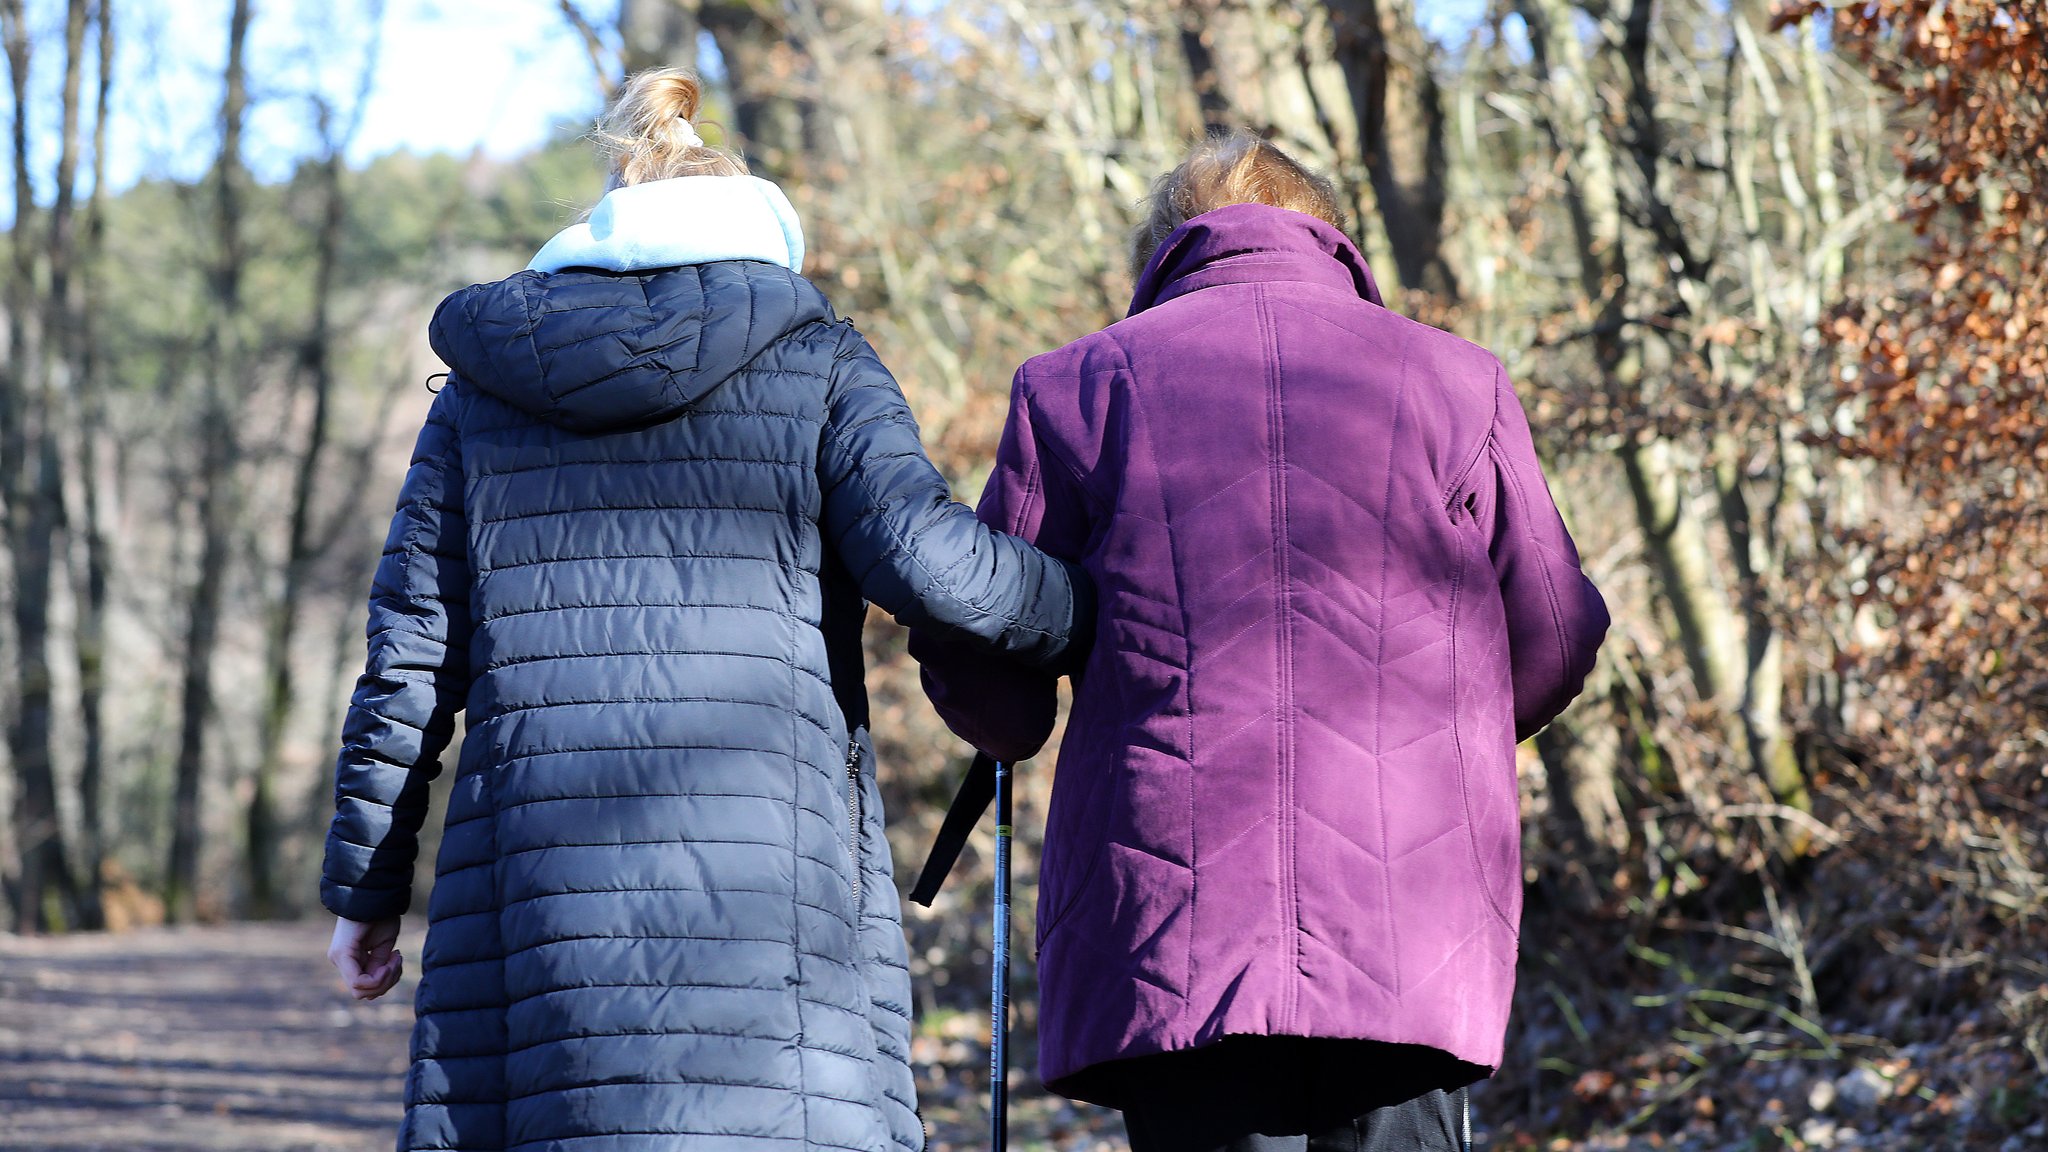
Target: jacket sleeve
1555, 616
1002, 708
413, 683
913, 550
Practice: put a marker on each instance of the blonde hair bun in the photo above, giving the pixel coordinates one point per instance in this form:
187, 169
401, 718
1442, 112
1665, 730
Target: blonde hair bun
650, 131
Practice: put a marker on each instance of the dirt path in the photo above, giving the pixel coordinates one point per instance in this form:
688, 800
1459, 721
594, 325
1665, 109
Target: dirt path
224, 1038
239, 1037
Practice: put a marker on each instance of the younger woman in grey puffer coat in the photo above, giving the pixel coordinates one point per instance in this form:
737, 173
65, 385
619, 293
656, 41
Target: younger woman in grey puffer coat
635, 545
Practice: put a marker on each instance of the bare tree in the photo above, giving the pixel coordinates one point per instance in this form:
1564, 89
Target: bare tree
762, 50
1398, 107
770, 73
1349, 86
223, 364
90, 498
1705, 256
314, 372
656, 33
48, 890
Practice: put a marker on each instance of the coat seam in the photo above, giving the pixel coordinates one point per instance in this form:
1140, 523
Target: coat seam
795, 900
1379, 692
1549, 585
632, 604
600, 463
1142, 434
1283, 657
523, 661
585, 511
679, 554
1564, 660
498, 713
1458, 740
1051, 446
1033, 477
509, 760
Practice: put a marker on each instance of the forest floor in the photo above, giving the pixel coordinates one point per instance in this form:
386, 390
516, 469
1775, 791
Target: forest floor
238, 1037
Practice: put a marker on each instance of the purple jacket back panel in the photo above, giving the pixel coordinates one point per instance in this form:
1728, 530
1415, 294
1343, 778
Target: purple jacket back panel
1333, 592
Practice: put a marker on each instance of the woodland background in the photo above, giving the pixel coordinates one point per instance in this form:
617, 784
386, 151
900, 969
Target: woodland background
1773, 283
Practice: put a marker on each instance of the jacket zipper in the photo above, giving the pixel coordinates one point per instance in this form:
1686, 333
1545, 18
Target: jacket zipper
853, 820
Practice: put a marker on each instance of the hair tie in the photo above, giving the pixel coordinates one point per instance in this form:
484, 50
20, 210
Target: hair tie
689, 133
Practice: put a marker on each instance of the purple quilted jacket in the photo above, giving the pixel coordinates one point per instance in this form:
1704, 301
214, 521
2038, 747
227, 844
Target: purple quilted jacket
1333, 592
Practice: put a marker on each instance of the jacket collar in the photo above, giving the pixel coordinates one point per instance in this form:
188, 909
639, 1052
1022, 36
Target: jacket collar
1247, 243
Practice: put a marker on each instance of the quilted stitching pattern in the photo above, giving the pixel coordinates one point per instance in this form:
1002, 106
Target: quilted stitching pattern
1286, 802
634, 545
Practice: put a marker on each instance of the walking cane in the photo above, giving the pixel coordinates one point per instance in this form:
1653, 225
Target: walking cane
999, 979
986, 779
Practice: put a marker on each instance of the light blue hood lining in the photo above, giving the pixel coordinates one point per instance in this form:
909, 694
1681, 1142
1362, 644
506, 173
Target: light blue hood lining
685, 220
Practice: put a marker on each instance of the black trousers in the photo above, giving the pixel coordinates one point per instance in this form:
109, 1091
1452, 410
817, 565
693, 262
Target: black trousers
1286, 1094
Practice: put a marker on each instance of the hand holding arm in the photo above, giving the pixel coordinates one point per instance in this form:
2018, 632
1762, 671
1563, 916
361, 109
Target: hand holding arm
1003, 708
924, 558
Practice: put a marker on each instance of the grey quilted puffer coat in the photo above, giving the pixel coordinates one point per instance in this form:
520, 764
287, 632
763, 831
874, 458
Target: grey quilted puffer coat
634, 545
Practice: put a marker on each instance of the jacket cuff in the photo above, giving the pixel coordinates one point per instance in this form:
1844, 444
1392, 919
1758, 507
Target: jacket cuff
364, 905
1080, 622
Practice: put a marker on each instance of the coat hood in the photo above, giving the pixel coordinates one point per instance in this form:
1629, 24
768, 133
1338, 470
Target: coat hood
1246, 242
597, 351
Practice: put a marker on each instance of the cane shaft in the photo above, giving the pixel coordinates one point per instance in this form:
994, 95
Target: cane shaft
999, 999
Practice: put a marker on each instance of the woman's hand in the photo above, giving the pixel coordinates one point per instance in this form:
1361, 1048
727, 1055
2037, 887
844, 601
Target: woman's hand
367, 956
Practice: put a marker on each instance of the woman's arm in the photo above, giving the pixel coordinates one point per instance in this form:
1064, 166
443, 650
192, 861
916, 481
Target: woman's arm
921, 556
1006, 709
413, 683
1555, 616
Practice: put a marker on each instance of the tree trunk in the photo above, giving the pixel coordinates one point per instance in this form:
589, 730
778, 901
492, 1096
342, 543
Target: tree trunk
316, 363
219, 452
90, 524
658, 33
1195, 36
24, 893
1399, 110
1674, 532
768, 69
357, 471
1270, 65
47, 896
1267, 65
1581, 754
1682, 558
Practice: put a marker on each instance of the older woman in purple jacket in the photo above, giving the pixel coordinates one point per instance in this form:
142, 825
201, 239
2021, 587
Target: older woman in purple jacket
1280, 896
